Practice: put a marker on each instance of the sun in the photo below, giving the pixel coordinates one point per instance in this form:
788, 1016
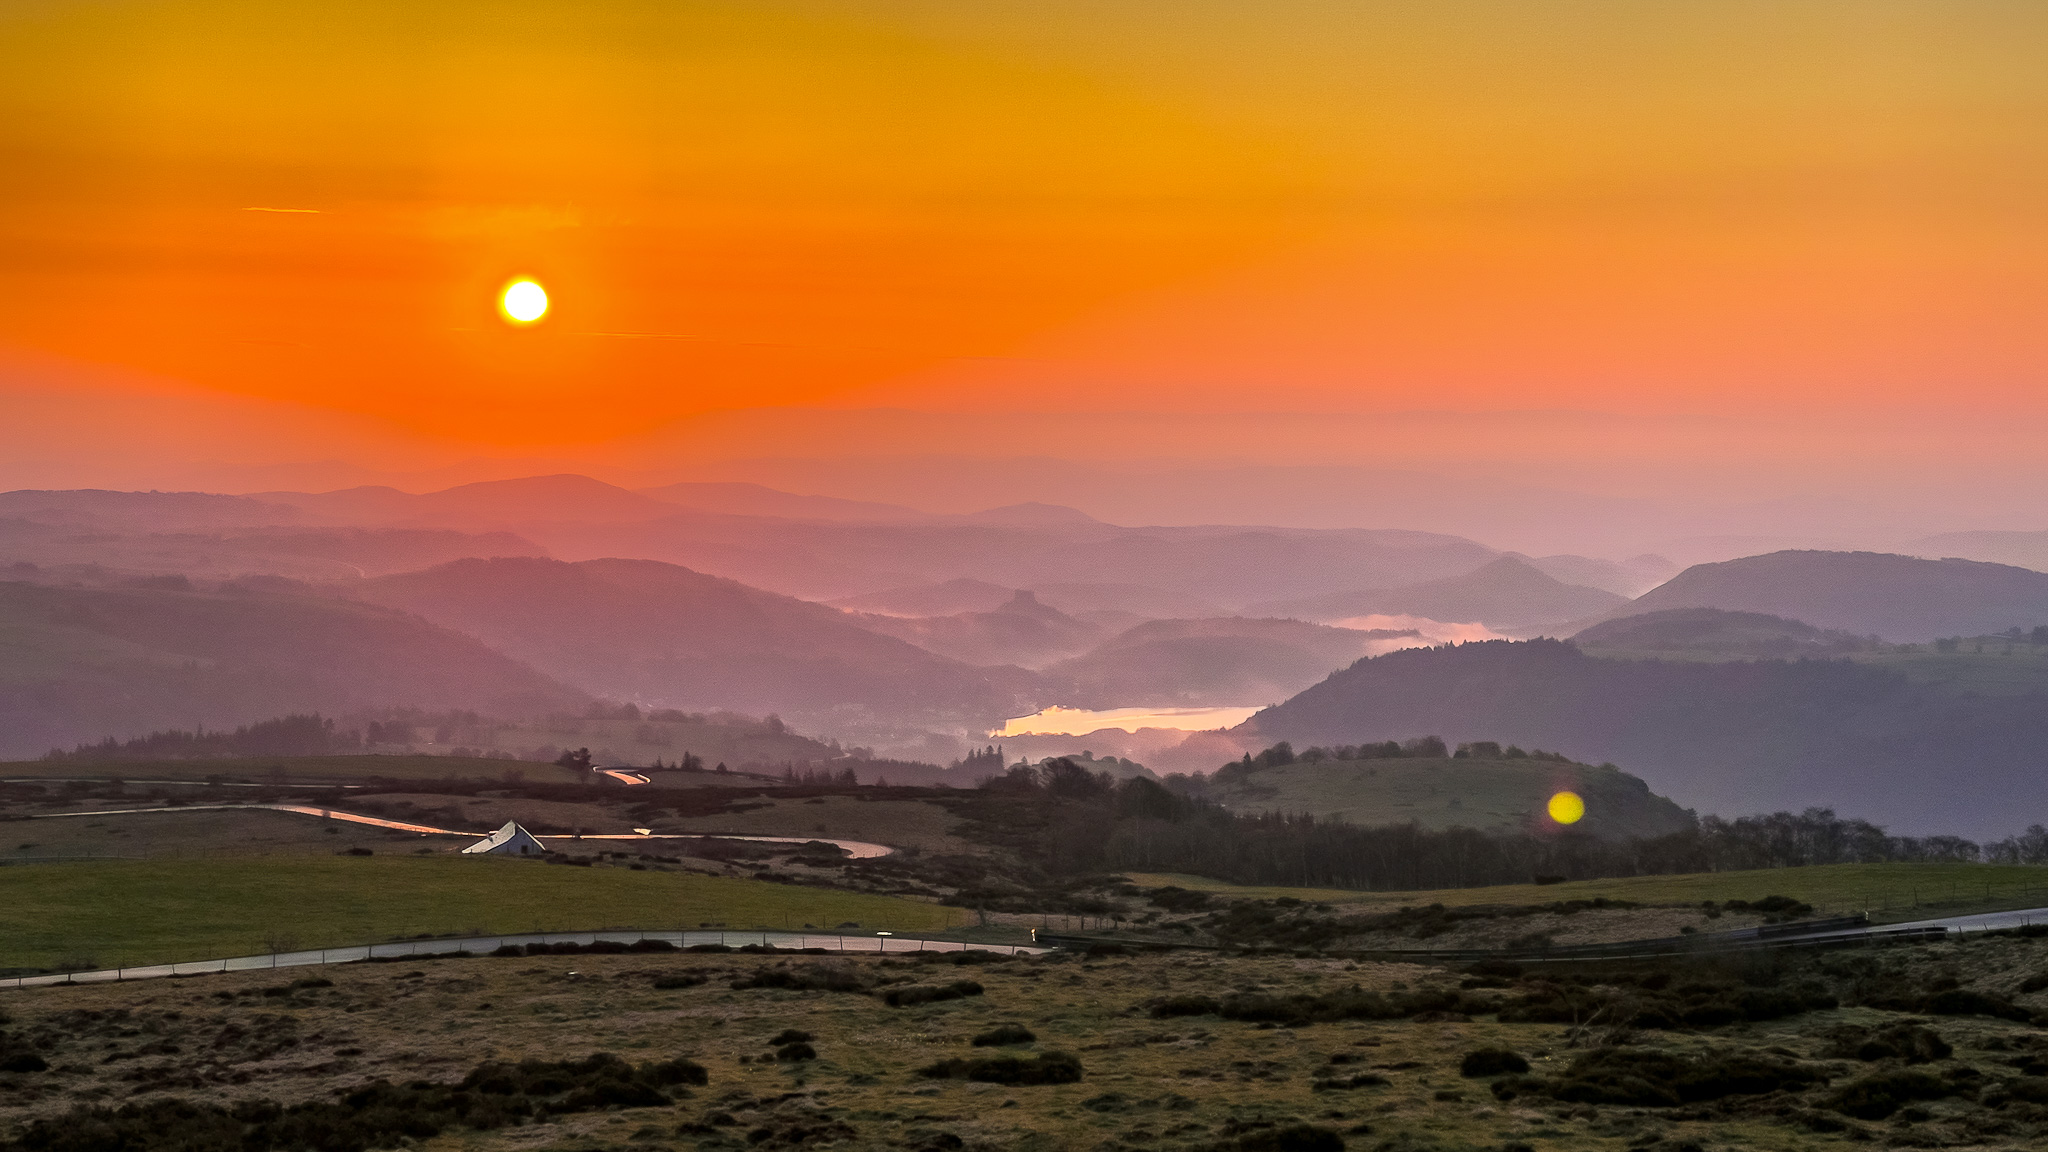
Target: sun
523, 302
1567, 808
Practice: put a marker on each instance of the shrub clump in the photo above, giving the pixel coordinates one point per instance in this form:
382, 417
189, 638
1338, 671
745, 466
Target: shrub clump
1644, 1078
1008, 1068
807, 978
914, 994
1003, 1035
1290, 1138
378, 1115
1492, 1062
1185, 1006
1877, 1096
796, 1051
680, 980
1903, 1041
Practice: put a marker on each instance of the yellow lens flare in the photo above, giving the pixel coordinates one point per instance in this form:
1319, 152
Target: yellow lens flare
523, 302
1567, 808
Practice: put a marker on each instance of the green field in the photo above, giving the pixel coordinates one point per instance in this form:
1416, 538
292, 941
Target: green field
151, 912
1493, 795
295, 769
1886, 891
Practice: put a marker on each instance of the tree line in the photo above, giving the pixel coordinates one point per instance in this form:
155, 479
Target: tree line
1106, 825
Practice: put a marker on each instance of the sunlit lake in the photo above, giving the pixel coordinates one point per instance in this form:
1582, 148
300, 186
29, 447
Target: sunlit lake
1058, 721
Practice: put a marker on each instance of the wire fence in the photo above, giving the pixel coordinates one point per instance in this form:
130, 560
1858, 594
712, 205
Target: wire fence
880, 943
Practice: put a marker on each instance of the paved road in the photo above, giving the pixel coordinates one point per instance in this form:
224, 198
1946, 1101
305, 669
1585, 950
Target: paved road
483, 945
857, 849
1980, 922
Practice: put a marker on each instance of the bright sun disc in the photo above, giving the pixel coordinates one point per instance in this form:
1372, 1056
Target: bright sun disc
1567, 808
524, 301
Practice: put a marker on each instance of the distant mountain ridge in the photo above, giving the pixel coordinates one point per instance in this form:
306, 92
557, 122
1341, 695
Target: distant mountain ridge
1900, 598
1018, 631
1507, 592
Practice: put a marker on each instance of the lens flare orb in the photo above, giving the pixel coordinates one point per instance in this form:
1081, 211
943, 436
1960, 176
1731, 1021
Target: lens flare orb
1567, 808
524, 302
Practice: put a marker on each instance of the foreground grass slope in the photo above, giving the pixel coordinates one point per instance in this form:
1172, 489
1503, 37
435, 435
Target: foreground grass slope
1886, 891
151, 912
1175, 1053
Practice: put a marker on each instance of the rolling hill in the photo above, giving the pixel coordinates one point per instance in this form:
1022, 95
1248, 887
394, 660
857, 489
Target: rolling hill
667, 636
2019, 549
1900, 598
1507, 592
1716, 634
1731, 737
1490, 795
1019, 631
1209, 663
79, 664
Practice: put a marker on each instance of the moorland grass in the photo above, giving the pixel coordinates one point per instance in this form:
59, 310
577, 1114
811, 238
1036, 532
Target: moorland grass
1886, 891
153, 912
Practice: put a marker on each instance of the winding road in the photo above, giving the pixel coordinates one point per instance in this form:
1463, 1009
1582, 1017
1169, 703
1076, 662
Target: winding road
857, 849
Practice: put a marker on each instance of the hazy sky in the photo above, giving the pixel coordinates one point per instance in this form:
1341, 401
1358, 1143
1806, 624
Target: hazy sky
1789, 249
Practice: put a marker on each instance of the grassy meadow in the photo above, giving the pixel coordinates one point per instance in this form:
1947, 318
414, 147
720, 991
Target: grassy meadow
160, 911
1886, 891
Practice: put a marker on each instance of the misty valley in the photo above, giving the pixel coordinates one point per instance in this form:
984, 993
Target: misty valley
848, 825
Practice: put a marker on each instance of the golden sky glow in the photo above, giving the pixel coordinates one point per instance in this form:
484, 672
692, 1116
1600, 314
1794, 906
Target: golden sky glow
1707, 206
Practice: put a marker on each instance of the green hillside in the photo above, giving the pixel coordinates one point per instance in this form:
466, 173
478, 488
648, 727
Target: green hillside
1440, 793
159, 911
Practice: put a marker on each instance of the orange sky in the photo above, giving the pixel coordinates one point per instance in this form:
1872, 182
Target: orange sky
1751, 212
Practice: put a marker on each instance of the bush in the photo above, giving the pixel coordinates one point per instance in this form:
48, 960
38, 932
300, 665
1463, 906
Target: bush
680, 980
1903, 1041
1004, 1034
1492, 1062
915, 994
790, 1036
377, 1115
1046, 1068
796, 1051
807, 978
1963, 1002
1291, 1138
1185, 1006
1876, 1097
1643, 1078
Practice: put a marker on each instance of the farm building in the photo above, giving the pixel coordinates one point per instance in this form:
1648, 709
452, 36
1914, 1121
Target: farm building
511, 840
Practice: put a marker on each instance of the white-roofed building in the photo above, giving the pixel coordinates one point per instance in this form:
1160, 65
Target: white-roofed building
511, 840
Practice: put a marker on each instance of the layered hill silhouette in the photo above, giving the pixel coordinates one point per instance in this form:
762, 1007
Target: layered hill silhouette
668, 636
1721, 736
1716, 634
1900, 598
1019, 631
1234, 661
1508, 592
80, 664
